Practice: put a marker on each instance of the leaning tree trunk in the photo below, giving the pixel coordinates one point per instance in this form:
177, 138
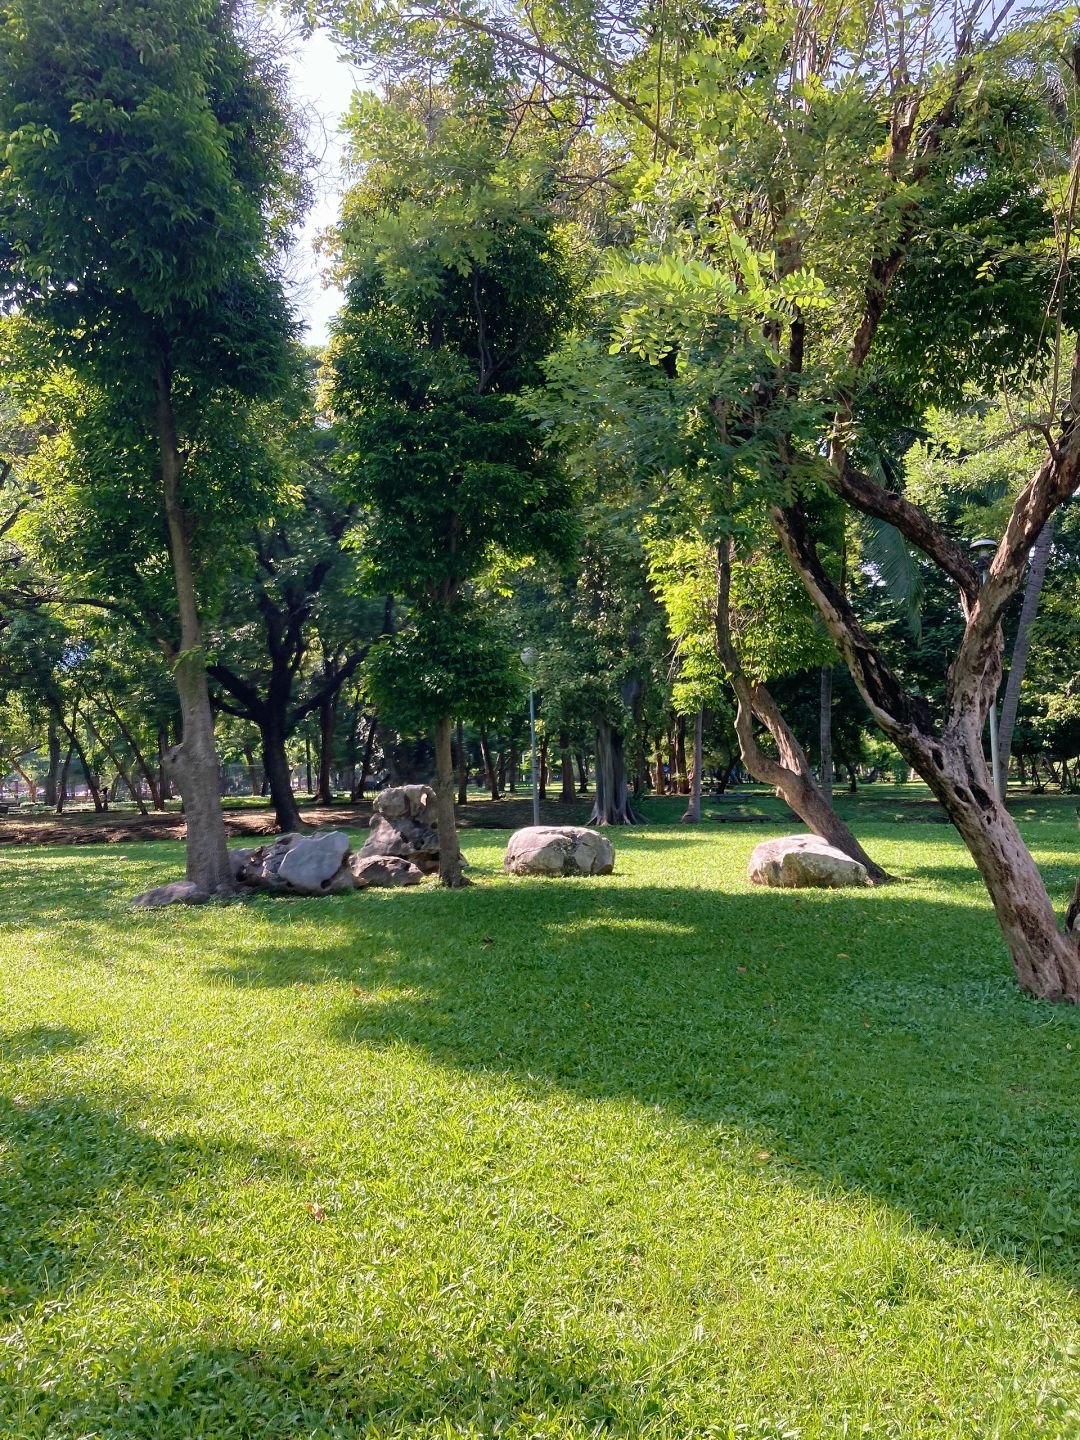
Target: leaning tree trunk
62, 783
193, 762
1033, 587
825, 732
612, 805
790, 774
489, 768
693, 806
1047, 961
568, 795
450, 873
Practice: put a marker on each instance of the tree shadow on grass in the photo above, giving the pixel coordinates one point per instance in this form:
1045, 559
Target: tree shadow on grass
72, 1169
875, 1040
310, 1386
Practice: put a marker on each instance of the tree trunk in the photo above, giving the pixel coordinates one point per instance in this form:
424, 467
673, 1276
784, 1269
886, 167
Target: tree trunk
310, 789
853, 780
52, 779
1047, 962
254, 778
194, 761
136, 753
568, 796
682, 778
541, 788
513, 768
693, 808
825, 734
790, 774
462, 766
61, 784
450, 873
324, 793
369, 751
659, 784
279, 777
489, 768
612, 805
1033, 587
583, 774
121, 769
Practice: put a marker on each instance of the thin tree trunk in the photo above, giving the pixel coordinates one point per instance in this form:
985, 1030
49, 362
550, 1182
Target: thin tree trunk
254, 778
324, 793
120, 766
512, 770
612, 805
825, 734
568, 795
53, 776
462, 766
307, 765
450, 873
1033, 588
369, 751
693, 809
61, 784
489, 768
542, 772
583, 774
682, 777
136, 753
659, 783
790, 774
194, 761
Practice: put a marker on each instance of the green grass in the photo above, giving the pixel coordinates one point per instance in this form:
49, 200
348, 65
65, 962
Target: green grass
656, 1155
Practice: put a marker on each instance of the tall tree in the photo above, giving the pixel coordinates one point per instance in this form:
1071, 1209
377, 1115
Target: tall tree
144, 191
457, 283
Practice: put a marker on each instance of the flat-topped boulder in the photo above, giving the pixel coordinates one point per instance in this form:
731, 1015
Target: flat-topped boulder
804, 862
559, 850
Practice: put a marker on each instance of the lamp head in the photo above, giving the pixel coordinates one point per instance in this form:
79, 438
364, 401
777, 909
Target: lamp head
982, 550
528, 657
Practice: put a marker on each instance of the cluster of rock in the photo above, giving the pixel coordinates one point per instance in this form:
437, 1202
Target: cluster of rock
804, 862
559, 850
401, 848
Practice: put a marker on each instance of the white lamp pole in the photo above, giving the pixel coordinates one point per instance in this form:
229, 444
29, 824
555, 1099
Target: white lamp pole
983, 551
528, 659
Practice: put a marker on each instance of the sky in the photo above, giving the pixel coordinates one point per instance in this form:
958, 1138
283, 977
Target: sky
322, 86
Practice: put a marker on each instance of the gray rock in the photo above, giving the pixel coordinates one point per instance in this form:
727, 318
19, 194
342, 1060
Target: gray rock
392, 803
180, 892
404, 835
383, 870
559, 850
804, 862
310, 865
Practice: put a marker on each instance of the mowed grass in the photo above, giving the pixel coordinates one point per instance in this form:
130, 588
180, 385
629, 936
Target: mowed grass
654, 1155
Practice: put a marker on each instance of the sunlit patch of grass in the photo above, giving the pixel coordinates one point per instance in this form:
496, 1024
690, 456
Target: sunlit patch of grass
652, 1155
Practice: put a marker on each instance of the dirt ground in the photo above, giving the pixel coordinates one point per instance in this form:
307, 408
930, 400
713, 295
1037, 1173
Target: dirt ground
122, 827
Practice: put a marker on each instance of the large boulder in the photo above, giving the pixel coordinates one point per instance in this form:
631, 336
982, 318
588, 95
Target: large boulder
377, 871
309, 866
803, 862
401, 826
559, 850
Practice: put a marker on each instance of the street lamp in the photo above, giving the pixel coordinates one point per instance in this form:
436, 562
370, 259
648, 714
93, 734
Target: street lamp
983, 550
528, 659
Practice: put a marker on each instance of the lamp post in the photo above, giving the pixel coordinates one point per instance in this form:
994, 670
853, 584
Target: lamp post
983, 549
528, 659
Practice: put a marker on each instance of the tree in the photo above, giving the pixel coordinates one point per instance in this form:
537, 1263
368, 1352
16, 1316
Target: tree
456, 285
124, 134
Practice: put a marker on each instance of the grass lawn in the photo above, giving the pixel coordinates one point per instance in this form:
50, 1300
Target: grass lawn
654, 1155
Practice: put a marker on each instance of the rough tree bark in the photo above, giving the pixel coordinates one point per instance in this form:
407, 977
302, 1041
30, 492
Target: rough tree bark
489, 768
53, 777
612, 804
194, 761
450, 873
789, 773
